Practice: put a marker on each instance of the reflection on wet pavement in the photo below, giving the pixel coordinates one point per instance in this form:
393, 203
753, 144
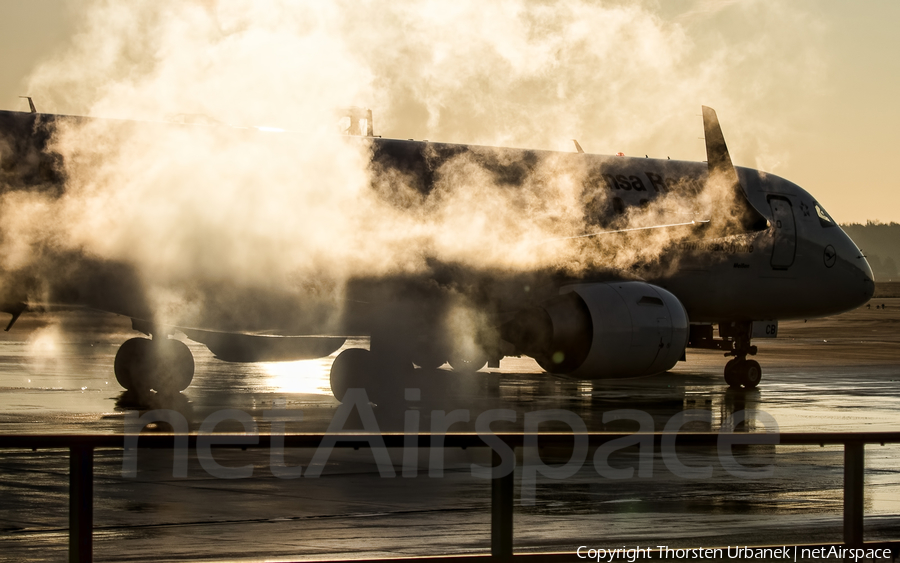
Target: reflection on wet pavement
835, 374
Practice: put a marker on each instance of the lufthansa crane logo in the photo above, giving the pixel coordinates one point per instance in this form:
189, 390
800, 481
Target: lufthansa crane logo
830, 256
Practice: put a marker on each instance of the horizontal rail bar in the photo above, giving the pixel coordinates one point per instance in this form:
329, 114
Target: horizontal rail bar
452, 440
81, 445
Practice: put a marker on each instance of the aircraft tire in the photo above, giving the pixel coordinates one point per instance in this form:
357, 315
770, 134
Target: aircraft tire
165, 365
731, 373
750, 373
348, 371
130, 364
172, 364
464, 364
429, 359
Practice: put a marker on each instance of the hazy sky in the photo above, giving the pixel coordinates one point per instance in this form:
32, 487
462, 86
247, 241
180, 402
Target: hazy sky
811, 89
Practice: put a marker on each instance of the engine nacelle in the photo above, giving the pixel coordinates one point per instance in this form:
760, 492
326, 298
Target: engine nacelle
603, 330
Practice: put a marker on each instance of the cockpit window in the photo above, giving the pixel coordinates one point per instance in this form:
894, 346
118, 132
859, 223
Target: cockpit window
824, 218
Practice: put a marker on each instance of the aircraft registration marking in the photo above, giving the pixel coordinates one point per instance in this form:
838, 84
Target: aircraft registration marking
764, 329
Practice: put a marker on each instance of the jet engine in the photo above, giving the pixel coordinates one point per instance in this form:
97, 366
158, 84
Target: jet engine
603, 330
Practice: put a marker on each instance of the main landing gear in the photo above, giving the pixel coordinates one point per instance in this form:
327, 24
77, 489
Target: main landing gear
383, 371
162, 364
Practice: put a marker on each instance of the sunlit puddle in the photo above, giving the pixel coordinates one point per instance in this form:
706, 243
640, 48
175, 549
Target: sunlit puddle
306, 376
303, 376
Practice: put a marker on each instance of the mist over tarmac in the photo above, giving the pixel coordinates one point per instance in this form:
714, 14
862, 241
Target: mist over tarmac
212, 218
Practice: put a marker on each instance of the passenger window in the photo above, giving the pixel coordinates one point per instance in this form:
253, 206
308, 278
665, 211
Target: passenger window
824, 218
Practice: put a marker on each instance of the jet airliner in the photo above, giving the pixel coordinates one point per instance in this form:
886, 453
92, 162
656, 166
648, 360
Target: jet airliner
767, 252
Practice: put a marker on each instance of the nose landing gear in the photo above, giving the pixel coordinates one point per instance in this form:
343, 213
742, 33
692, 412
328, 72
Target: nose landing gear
740, 372
743, 373
735, 341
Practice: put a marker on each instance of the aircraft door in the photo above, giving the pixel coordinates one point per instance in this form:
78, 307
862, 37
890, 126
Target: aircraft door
784, 246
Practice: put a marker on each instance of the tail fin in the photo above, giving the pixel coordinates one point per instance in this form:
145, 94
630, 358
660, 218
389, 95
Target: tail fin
720, 166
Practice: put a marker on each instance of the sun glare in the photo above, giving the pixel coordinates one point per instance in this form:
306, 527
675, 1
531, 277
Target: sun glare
303, 376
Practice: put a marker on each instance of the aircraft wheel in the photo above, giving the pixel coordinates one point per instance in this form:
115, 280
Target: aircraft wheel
731, 375
750, 373
348, 371
130, 364
468, 363
429, 359
172, 364
142, 364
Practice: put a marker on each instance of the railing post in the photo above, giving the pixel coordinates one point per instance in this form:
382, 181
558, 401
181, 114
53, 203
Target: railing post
502, 489
81, 504
854, 469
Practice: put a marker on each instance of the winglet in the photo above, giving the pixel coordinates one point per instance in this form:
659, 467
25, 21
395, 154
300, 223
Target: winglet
15, 309
578, 147
720, 165
30, 103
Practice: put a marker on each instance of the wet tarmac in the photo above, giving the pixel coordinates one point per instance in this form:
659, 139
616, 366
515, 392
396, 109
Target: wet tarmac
835, 374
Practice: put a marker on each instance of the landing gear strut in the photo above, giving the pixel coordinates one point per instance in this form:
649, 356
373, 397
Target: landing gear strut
161, 364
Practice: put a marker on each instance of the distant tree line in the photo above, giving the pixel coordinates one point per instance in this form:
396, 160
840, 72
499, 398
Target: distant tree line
880, 243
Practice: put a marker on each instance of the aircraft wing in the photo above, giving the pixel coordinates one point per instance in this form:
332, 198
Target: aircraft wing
237, 347
246, 347
227, 346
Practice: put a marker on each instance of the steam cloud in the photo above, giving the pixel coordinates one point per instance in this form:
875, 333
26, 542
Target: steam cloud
234, 222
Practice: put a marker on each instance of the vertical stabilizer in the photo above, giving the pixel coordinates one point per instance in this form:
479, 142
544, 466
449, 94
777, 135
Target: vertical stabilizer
721, 169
